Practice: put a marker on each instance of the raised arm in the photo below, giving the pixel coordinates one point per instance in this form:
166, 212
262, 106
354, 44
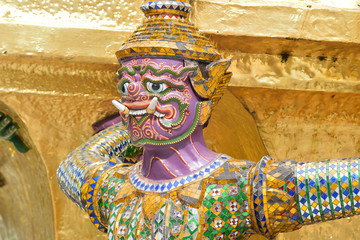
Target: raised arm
286, 195
88, 166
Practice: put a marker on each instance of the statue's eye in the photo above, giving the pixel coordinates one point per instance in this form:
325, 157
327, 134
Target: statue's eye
156, 87
124, 88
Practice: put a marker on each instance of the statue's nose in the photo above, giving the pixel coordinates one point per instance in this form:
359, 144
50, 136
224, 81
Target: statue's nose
136, 91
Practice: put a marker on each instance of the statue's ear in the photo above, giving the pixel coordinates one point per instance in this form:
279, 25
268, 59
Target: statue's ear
211, 83
205, 112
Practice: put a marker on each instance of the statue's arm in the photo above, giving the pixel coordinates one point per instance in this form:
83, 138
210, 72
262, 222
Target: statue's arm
327, 190
90, 168
286, 195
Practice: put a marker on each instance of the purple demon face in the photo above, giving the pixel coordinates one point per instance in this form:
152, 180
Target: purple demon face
159, 105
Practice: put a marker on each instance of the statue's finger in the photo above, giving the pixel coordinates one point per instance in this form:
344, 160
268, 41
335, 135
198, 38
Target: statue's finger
9, 132
5, 122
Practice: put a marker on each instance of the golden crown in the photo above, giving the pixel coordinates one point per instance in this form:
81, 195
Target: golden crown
167, 32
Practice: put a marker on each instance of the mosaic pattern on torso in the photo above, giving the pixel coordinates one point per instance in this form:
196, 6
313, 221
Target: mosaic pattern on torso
214, 206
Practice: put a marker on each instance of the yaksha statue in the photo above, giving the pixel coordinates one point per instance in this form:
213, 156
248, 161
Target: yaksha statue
171, 78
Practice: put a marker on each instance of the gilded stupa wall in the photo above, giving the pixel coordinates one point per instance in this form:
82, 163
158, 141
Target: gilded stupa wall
295, 93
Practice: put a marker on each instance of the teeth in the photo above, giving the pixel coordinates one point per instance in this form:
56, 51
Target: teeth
159, 115
151, 108
137, 112
152, 104
143, 112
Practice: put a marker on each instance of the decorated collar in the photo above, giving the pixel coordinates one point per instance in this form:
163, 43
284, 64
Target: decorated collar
143, 184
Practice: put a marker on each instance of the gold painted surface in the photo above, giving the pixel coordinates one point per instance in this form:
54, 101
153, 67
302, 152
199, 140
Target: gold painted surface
99, 27
94, 45
26, 204
300, 73
57, 77
232, 131
288, 19
314, 125
318, 20
57, 124
65, 43
75, 13
328, 50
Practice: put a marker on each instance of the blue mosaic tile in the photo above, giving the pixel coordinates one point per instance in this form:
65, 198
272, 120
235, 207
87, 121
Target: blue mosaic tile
144, 184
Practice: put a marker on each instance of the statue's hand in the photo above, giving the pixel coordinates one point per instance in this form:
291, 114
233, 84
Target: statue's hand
8, 132
7, 127
133, 152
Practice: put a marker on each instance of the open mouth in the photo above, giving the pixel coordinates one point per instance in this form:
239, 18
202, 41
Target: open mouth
144, 112
139, 109
169, 116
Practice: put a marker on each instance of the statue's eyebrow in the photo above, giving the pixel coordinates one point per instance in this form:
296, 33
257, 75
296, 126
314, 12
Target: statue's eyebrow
157, 72
131, 71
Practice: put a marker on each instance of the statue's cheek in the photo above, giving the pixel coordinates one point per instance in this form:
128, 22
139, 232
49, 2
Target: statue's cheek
180, 96
187, 94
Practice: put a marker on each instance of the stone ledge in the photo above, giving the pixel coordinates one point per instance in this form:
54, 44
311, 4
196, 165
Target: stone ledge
67, 77
285, 19
273, 27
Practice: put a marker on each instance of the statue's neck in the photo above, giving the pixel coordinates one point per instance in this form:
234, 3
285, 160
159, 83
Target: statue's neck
178, 159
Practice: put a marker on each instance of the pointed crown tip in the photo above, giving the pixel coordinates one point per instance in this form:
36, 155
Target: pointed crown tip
166, 8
